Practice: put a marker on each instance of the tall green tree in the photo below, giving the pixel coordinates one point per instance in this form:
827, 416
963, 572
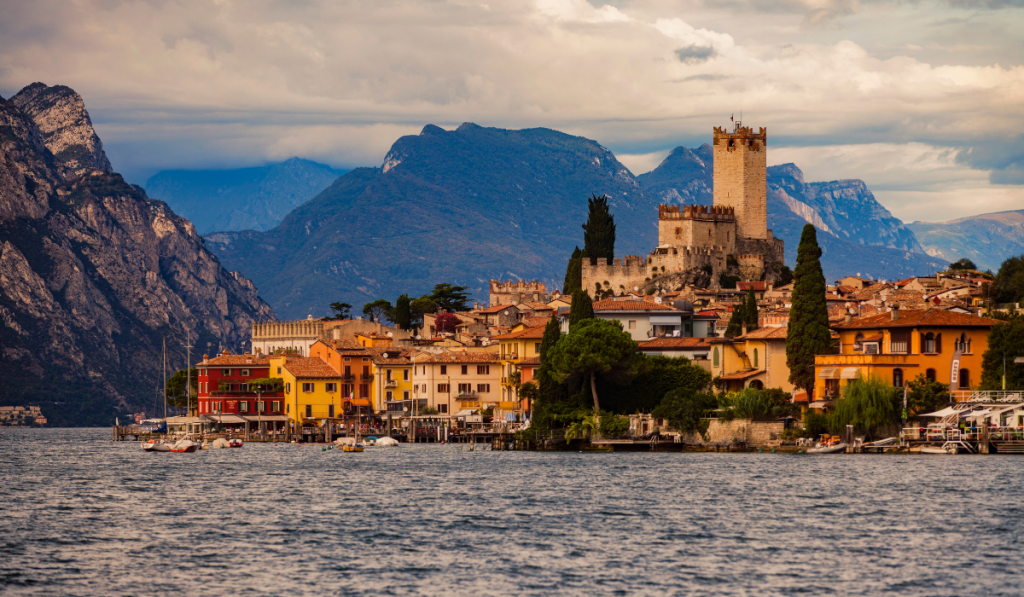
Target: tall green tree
421, 306
652, 377
1010, 280
402, 316
1006, 339
582, 308
341, 311
750, 315
735, 327
451, 298
574, 273
808, 332
963, 263
378, 310
546, 382
593, 347
176, 394
868, 404
926, 396
686, 409
599, 231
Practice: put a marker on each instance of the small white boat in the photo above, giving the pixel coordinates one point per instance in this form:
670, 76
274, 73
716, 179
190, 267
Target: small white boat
823, 449
235, 442
154, 445
387, 442
184, 446
938, 450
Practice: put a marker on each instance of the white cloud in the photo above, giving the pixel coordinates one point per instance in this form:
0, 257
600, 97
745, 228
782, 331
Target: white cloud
641, 163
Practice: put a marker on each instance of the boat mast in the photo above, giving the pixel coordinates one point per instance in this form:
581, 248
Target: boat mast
165, 380
188, 377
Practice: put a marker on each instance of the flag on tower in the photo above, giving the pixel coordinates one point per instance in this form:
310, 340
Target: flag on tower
731, 118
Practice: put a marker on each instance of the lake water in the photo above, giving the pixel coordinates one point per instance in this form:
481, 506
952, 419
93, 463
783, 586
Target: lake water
82, 515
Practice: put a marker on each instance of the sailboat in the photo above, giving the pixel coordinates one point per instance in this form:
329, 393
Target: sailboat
355, 447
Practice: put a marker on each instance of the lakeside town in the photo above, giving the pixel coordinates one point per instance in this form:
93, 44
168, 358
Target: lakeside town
708, 342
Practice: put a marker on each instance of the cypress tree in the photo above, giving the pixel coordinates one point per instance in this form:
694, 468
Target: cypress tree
736, 320
582, 308
599, 231
750, 311
403, 312
574, 273
808, 333
545, 381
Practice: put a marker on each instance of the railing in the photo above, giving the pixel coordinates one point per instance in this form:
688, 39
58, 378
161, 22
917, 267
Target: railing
971, 434
348, 378
391, 383
366, 377
987, 396
899, 347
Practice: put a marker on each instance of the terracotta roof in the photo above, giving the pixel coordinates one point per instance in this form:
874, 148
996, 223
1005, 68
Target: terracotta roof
744, 374
833, 297
918, 318
538, 306
529, 333
670, 342
868, 292
462, 357
233, 360
631, 305
309, 368
530, 362
746, 286
495, 309
765, 334
532, 322
343, 344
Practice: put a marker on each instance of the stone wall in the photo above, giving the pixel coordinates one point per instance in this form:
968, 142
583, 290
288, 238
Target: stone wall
622, 275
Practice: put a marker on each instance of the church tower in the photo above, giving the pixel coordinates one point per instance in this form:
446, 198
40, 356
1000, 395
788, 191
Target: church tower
741, 178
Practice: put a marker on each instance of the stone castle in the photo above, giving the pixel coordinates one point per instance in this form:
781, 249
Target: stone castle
731, 235
513, 292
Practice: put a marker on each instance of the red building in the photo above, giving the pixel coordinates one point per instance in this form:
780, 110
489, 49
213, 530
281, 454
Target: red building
225, 396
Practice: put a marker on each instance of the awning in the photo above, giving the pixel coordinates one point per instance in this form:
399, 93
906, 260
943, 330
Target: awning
949, 410
821, 404
466, 412
268, 419
975, 414
666, 319
829, 373
850, 373
230, 419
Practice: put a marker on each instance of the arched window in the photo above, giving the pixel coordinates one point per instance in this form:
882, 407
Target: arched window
714, 357
755, 358
757, 384
928, 343
897, 378
930, 374
965, 379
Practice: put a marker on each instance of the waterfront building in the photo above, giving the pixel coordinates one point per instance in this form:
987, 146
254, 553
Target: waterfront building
392, 381
227, 398
514, 347
899, 345
452, 381
352, 361
755, 359
312, 390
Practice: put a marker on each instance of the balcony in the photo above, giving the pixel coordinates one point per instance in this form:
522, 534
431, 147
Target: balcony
467, 396
367, 377
391, 383
863, 360
348, 378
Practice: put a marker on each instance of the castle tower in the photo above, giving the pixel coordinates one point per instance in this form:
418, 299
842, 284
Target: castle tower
740, 177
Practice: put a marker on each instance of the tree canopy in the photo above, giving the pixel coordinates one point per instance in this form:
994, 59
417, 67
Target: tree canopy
402, 315
450, 298
686, 409
808, 333
582, 308
341, 311
176, 395
1010, 280
574, 273
378, 310
1006, 338
785, 276
592, 347
963, 263
651, 378
446, 322
599, 231
868, 404
926, 396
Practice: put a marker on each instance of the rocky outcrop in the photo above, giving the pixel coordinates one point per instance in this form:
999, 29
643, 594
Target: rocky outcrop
986, 239
65, 126
94, 275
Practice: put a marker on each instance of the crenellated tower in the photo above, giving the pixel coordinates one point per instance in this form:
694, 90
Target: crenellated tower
741, 177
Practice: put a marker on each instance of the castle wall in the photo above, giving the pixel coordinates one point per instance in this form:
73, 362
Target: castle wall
740, 174
625, 275
515, 292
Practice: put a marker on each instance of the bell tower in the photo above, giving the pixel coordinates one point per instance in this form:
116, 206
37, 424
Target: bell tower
741, 177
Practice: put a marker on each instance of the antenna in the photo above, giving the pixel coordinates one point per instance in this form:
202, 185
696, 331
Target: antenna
188, 375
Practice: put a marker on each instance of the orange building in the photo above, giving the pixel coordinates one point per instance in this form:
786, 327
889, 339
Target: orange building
900, 345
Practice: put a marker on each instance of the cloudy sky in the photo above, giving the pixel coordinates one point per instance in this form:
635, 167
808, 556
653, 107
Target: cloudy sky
922, 100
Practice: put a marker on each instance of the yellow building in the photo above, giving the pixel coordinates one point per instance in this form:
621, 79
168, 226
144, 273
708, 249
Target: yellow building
519, 344
900, 345
754, 360
311, 389
392, 381
374, 340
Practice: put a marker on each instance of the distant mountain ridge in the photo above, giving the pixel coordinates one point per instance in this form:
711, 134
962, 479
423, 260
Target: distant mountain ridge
986, 239
243, 198
460, 206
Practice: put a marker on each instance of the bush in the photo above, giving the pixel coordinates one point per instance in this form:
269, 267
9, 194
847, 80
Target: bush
751, 403
868, 404
686, 410
613, 425
815, 424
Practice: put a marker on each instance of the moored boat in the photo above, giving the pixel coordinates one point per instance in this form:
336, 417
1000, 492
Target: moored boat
941, 450
154, 445
184, 446
833, 449
352, 448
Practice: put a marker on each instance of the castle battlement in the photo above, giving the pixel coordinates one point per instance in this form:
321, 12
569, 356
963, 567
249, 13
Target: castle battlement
714, 213
513, 292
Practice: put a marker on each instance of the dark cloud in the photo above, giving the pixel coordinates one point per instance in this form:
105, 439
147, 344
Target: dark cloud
1004, 159
696, 54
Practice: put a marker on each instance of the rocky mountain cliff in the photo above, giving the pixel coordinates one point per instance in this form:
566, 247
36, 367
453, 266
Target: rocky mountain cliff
243, 198
460, 206
987, 239
857, 234
93, 274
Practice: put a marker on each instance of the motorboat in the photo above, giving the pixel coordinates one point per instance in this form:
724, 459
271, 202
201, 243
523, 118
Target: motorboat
352, 448
942, 450
154, 445
387, 442
235, 442
826, 449
184, 446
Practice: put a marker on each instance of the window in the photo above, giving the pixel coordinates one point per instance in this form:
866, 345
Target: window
405, 394
632, 324
965, 379
444, 369
899, 342
897, 378
465, 388
442, 388
465, 369
288, 388
442, 409
930, 374
279, 371
536, 348
755, 358
225, 371
330, 411
309, 411
275, 406
261, 406
348, 359
858, 343
387, 374
307, 387
243, 406
714, 357
405, 375
483, 369
388, 395
245, 373
928, 343
364, 390
483, 388
331, 388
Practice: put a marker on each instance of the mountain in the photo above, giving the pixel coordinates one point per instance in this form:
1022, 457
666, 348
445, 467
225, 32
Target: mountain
94, 274
460, 206
856, 233
244, 198
987, 239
